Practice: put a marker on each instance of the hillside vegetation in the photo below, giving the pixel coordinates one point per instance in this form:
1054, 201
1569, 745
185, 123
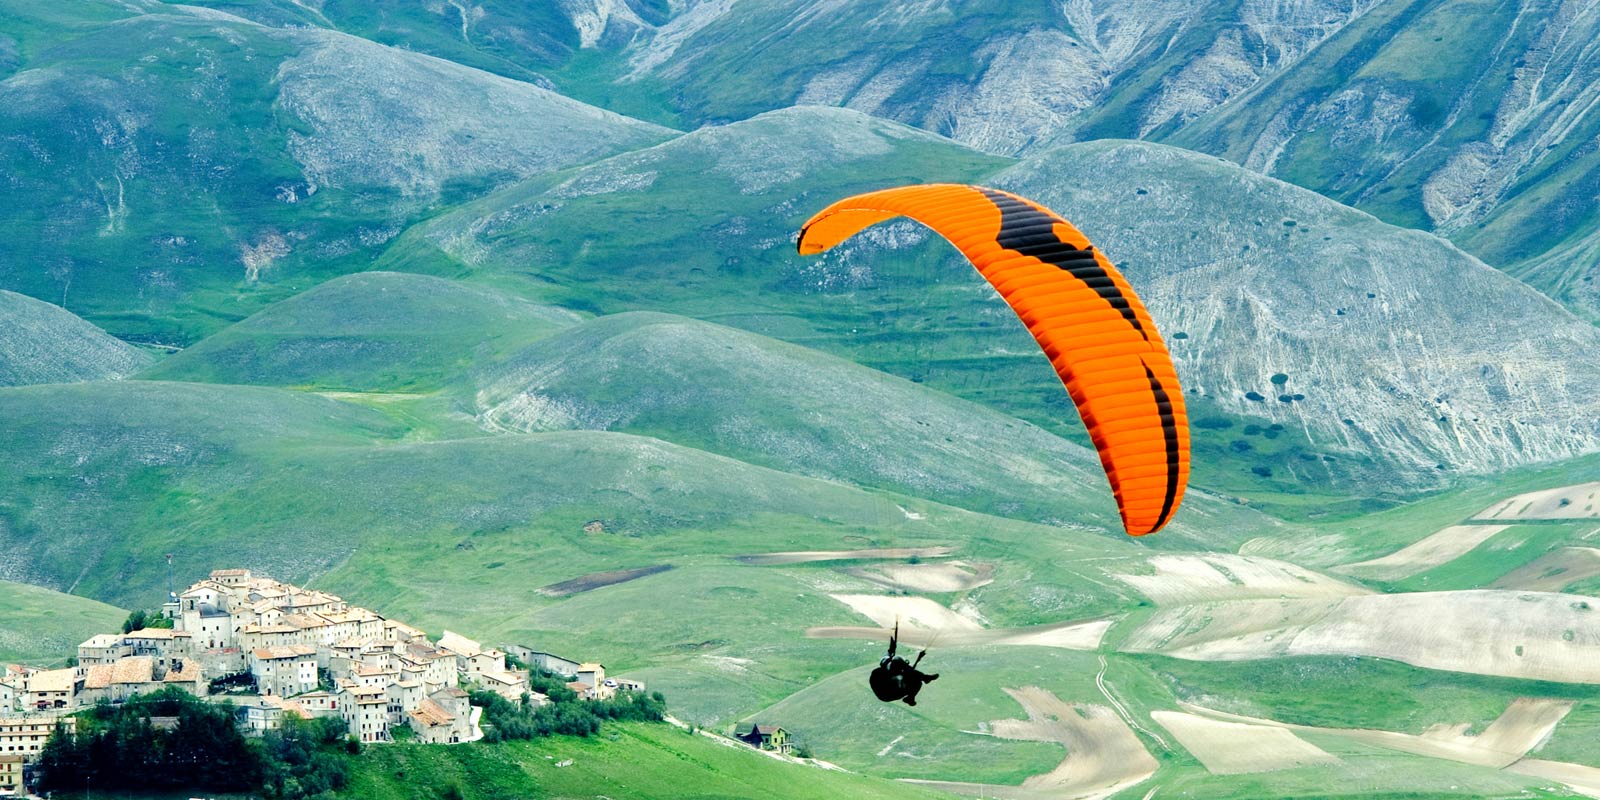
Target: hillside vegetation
40, 626
42, 343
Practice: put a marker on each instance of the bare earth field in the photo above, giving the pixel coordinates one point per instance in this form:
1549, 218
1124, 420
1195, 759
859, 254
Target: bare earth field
1523, 725
1232, 748
1103, 755
596, 580
807, 556
1439, 548
909, 612
1537, 635
1065, 635
1567, 502
950, 576
1222, 576
1553, 571
1581, 779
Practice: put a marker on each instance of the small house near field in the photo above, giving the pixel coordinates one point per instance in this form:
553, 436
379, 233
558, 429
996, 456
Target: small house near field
766, 737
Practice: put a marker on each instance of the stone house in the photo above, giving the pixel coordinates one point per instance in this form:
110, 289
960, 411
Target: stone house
767, 737
592, 675
403, 697
188, 676
366, 710
445, 717
103, 648
549, 662
10, 773
25, 736
52, 689
119, 680
262, 714
511, 684
162, 644
284, 671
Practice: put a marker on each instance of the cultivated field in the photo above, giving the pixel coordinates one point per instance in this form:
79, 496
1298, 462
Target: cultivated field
1441, 547
1554, 571
1065, 635
1103, 755
1567, 502
1222, 576
951, 576
1538, 635
1233, 748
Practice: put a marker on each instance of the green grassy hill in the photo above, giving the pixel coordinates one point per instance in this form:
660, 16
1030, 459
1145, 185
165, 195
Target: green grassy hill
291, 157
42, 343
774, 404
1278, 286
626, 760
369, 332
42, 627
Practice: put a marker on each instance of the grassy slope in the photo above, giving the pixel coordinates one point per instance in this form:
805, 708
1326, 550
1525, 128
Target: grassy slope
39, 626
42, 343
770, 403
634, 760
164, 221
369, 332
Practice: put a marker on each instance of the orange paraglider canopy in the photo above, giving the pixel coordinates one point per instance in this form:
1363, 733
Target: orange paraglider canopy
1080, 310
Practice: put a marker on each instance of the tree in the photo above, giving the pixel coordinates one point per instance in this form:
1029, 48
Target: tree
134, 622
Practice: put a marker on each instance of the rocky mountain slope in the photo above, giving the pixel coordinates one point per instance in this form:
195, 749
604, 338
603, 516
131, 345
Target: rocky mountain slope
1370, 338
219, 157
1439, 363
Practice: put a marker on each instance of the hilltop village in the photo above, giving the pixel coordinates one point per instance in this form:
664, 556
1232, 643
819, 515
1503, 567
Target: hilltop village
290, 650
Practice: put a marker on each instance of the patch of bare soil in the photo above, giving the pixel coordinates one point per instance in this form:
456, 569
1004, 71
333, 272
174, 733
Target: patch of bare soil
1065, 635
1103, 755
1192, 578
596, 580
1523, 725
950, 576
1566, 502
1535, 635
1234, 748
1553, 571
1439, 548
806, 556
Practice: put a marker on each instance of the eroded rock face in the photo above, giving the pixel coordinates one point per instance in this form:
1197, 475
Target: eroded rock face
440, 121
1030, 77
1384, 341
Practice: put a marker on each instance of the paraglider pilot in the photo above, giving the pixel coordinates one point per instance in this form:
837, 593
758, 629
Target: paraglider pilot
895, 679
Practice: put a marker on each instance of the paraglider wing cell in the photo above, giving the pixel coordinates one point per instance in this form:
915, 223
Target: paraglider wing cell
1079, 308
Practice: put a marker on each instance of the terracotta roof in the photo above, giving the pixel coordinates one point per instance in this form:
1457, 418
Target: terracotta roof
456, 643
102, 640
136, 669
265, 629
296, 651
230, 573
303, 621
590, 667
151, 633
190, 672
55, 680
508, 678
432, 714
451, 691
